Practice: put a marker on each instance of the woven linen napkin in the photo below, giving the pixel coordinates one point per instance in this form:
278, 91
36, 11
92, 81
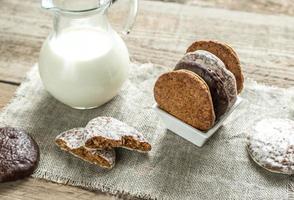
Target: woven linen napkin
175, 168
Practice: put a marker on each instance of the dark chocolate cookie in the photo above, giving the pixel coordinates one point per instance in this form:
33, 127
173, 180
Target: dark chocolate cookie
19, 154
221, 82
226, 54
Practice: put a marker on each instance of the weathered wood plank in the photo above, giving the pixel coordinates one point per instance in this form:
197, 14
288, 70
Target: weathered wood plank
6, 92
33, 189
161, 34
263, 42
259, 6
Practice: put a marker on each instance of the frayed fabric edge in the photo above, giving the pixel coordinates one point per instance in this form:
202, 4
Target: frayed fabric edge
45, 175
17, 93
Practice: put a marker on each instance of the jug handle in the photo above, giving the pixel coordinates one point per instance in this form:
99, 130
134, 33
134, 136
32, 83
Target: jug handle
131, 17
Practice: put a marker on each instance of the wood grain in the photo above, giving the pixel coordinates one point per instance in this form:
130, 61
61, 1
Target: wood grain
259, 6
6, 92
39, 189
162, 32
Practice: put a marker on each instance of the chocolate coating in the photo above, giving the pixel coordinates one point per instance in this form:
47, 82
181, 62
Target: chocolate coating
19, 154
221, 82
225, 53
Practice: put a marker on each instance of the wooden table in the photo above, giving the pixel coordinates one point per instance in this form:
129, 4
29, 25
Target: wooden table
162, 32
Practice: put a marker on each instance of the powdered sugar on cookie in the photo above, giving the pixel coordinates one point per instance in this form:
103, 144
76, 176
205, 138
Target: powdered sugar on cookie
73, 141
112, 128
73, 138
108, 132
271, 145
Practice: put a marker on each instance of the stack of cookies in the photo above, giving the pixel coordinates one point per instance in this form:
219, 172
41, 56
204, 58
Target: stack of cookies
96, 142
203, 86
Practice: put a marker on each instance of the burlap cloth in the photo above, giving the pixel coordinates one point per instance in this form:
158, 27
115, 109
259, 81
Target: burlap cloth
175, 168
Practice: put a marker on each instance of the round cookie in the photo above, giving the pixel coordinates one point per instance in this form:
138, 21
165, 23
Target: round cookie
226, 54
221, 82
186, 96
271, 145
19, 154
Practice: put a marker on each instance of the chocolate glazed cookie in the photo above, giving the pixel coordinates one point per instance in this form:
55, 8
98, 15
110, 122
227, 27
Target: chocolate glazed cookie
19, 154
226, 54
221, 82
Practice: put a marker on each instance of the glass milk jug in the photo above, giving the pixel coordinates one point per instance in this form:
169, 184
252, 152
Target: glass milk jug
83, 63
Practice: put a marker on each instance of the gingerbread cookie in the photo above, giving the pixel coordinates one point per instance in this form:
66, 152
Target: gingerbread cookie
19, 154
226, 54
73, 141
186, 96
271, 145
108, 132
221, 82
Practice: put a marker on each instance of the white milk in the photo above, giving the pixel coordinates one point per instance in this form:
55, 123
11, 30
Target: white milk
84, 68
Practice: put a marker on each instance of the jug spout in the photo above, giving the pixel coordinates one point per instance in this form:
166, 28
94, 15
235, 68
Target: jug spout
70, 6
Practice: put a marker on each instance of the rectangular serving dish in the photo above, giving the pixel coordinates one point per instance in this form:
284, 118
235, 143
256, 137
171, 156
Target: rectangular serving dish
188, 132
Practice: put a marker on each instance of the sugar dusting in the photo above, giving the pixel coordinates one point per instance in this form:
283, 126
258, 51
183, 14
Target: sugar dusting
112, 128
74, 139
271, 145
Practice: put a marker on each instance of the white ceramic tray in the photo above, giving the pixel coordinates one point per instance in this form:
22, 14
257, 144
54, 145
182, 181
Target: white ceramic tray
188, 132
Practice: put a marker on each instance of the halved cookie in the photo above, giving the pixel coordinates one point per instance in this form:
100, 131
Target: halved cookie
73, 142
108, 132
221, 81
185, 95
226, 54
